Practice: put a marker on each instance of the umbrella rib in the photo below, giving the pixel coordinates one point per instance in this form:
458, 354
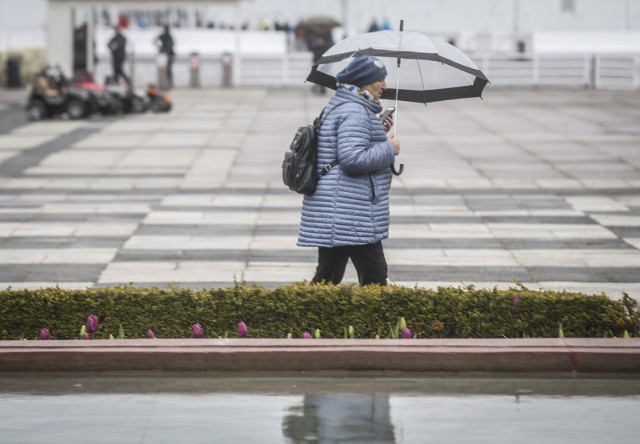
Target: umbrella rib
424, 89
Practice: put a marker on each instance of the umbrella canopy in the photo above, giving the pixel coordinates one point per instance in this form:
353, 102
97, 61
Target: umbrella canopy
431, 70
321, 21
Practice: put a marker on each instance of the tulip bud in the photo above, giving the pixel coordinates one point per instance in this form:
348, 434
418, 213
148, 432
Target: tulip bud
86, 336
83, 331
377, 336
626, 334
403, 324
44, 334
289, 335
196, 331
111, 337
150, 334
406, 333
560, 332
351, 332
242, 329
306, 335
92, 323
316, 334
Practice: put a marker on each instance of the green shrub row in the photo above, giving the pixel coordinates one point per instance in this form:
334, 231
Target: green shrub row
447, 312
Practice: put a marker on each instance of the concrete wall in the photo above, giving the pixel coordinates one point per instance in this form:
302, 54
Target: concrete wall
60, 36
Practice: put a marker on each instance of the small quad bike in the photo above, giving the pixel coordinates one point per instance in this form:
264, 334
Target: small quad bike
51, 95
158, 101
133, 100
102, 100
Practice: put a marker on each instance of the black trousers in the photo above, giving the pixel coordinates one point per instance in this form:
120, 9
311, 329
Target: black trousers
170, 59
369, 261
118, 70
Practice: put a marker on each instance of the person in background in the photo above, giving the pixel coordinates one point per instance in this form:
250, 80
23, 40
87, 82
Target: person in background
319, 40
348, 215
386, 25
118, 47
166, 44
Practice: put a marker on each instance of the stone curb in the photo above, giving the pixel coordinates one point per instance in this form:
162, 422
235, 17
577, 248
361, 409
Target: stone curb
592, 356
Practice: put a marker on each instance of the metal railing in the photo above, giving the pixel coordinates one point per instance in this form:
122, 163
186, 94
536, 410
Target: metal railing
597, 71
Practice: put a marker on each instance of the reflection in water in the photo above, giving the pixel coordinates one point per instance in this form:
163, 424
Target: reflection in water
195, 408
335, 418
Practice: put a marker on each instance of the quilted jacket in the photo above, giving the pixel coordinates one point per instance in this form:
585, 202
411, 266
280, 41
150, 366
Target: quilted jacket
351, 203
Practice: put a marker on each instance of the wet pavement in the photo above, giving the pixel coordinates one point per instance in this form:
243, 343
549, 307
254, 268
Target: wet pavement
534, 187
326, 408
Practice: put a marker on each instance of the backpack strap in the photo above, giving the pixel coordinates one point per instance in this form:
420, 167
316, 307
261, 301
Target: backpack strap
328, 167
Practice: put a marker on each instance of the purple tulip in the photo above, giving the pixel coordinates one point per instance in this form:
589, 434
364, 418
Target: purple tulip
306, 335
406, 333
151, 334
242, 329
516, 301
44, 334
86, 336
196, 331
92, 323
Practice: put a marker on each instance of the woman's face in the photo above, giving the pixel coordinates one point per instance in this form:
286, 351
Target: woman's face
376, 89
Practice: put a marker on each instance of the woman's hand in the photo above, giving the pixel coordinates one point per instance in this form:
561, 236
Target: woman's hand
388, 123
396, 144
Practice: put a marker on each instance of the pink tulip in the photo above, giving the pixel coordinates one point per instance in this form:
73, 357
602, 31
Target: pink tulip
92, 323
242, 329
44, 334
306, 335
151, 334
406, 333
196, 331
86, 336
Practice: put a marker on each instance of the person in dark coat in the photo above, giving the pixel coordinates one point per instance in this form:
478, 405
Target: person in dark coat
166, 44
319, 40
118, 47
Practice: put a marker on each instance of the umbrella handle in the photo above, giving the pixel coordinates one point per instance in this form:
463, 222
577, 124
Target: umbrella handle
398, 172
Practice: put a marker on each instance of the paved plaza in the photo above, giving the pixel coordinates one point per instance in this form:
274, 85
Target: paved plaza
539, 188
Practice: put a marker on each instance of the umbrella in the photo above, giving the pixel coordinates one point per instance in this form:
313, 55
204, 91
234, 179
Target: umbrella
321, 21
432, 70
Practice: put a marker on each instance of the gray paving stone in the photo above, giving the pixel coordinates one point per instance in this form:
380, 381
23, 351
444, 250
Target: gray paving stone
458, 274
196, 230
129, 255
623, 232
14, 166
17, 242
587, 274
60, 273
11, 118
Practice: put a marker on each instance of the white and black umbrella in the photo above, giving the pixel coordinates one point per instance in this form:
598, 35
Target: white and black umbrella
432, 70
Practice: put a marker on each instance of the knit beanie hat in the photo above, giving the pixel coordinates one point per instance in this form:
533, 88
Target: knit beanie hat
362, 70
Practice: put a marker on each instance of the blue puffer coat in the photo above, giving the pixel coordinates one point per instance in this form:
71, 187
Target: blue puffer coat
351, 203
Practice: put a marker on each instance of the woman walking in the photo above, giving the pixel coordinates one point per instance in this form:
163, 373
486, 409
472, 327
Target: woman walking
348, 215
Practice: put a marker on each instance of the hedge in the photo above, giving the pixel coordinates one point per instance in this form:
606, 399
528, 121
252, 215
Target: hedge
447, 312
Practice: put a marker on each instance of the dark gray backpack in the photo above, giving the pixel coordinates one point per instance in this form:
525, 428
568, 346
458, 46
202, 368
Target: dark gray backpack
299, 170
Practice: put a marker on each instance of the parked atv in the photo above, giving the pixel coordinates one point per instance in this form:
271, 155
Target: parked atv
159, 102
102, 100
133, 100
51, 95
